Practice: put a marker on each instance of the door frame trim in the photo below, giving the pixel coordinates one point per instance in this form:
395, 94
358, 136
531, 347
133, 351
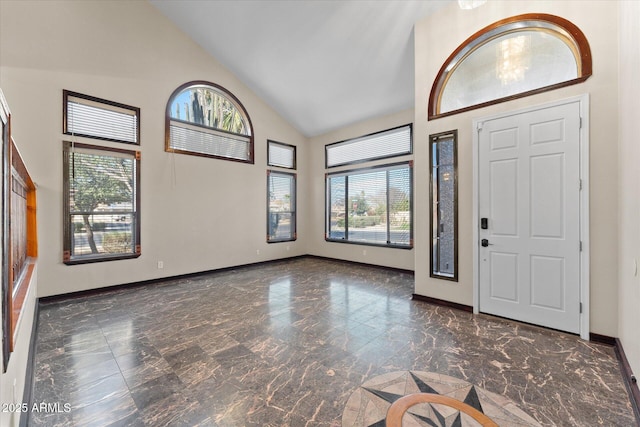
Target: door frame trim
583, 102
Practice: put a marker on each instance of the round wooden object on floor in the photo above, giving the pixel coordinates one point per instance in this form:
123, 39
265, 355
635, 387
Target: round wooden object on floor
399, 407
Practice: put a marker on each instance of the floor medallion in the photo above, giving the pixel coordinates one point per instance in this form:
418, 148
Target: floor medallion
368, 405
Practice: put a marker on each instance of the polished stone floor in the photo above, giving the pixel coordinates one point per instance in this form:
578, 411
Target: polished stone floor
288, 343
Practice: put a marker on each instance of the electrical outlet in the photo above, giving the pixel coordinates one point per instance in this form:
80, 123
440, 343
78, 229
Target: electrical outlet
364, 252
288, 248
258, 252
160, 264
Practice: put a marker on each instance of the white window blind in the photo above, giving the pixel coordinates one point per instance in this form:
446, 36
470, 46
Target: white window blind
281, 155
200, 140
389, 143
371, 206
101, 119
281, 194
204, 119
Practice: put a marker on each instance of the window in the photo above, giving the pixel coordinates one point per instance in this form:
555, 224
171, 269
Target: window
371, 206
19, 244
281, 213
204, 119
380, 145
281, 193
23, 239
444, 205
281, 155
23, 225
512, 58
7, 336
97, 118
101, 207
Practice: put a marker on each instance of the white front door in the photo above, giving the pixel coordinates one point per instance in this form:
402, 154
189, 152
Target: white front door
529, 211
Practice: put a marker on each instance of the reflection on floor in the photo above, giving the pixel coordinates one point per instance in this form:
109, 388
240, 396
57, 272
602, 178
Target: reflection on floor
288, 343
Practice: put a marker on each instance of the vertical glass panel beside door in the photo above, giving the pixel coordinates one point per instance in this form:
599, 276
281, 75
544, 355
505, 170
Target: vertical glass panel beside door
444, 206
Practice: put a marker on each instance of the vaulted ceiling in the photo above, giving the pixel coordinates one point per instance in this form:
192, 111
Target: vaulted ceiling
321, 64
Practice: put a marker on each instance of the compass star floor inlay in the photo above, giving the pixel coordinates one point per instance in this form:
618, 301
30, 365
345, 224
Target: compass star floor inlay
368, 405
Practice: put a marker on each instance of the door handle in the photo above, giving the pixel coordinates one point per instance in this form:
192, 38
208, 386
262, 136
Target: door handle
485, 243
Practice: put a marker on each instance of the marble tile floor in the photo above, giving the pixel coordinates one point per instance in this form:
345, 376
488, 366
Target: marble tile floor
287, 343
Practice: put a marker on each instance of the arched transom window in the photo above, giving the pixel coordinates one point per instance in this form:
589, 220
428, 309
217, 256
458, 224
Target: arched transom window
205, 119
512, 58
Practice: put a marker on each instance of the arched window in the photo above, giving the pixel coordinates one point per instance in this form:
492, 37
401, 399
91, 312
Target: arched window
512, 58
205, 119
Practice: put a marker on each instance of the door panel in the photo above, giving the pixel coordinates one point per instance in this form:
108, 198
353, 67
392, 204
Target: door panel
547, 196
548, 284
502, 284
551, 131
504, 138
504, 197
529, 170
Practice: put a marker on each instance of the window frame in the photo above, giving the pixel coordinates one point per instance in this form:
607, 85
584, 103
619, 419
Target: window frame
433, 140
20, 278
497, 29
66, 94
363, 138
230, 97
7, 300
293, 203
15, 281
347, 173
68, 146
271, 142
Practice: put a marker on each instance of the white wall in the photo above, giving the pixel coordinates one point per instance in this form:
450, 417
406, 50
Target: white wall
629, 184
388, 257
197, 213
598, 20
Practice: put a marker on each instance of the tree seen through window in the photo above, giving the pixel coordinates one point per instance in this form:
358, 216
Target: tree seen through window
102, 205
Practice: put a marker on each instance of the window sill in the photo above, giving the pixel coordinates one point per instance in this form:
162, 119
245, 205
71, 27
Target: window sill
99, 258
22, 289
380, 245
281, 240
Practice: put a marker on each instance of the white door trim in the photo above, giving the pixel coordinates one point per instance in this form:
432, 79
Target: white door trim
583, 101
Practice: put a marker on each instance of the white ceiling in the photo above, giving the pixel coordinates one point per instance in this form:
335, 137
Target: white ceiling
321, 64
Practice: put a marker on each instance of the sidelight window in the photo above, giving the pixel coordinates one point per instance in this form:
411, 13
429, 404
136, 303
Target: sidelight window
444, 206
